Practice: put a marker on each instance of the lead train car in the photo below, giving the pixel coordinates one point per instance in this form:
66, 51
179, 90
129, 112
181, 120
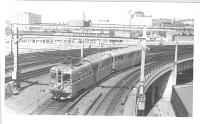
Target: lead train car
68, 80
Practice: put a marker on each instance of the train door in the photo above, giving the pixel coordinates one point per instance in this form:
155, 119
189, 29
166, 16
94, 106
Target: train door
59, 77
113, 64
95, 67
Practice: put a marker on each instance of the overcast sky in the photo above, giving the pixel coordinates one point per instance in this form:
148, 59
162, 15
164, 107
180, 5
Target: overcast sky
117, 12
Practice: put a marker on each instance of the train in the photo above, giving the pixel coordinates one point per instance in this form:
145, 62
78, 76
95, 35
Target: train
69, 80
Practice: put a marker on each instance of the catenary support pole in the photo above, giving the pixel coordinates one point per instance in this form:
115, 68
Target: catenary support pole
82, 48
175, 63
15, 73
143, 57
141, 96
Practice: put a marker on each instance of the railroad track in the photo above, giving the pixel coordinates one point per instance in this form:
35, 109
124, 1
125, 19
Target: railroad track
74, 112
122, 94
106, 105
50, 107
29, 64
111, 101
31, 74
59, 107
53, 107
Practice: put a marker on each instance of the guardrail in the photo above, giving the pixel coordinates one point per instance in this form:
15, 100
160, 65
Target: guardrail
155, 71
164, 66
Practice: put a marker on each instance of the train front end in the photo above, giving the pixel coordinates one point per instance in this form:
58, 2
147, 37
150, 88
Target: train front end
60, 83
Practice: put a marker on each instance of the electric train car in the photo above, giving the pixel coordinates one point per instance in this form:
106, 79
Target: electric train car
69, 80
101, 64
124, 58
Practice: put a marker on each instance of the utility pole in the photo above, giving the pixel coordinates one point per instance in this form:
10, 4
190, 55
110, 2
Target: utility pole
15, 73
83, 40
82, 48
143, 55
175, 61
141, 96
11, 41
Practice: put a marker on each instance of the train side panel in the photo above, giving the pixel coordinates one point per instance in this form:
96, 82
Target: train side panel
82, 81
104, 72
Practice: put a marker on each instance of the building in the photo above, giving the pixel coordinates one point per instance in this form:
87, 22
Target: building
27, 18
138, 18
186, 21
162, 22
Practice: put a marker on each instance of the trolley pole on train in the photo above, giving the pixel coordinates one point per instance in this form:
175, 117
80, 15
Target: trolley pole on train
16, 72
141, 96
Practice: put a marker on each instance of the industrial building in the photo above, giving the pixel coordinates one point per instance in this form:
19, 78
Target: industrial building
27, 18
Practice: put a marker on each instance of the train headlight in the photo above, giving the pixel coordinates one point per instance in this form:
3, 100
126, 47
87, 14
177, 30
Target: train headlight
61, 87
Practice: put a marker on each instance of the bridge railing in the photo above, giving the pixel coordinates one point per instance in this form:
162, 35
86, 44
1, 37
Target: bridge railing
156, 71
163, 66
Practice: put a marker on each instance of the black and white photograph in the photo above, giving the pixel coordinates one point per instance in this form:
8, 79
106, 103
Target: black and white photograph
75, 58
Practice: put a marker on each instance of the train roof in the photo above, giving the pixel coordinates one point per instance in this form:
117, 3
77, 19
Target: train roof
124, 50
69, 68
97, 57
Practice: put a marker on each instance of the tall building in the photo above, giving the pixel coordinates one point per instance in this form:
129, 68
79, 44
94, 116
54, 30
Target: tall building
138, 18
27, 18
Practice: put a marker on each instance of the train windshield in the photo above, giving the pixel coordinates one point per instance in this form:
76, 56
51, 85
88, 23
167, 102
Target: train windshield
66, 78
53, 75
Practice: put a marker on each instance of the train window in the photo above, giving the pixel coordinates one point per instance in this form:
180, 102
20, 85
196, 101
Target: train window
78, 75
87, 70
105, 63
66, 77
59, 72
59, 79
116, 59
111, 60
53, 75
129, 55
121, 57
90, 71
84, 72
73, 79
108, 62
59, 76
132, 54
